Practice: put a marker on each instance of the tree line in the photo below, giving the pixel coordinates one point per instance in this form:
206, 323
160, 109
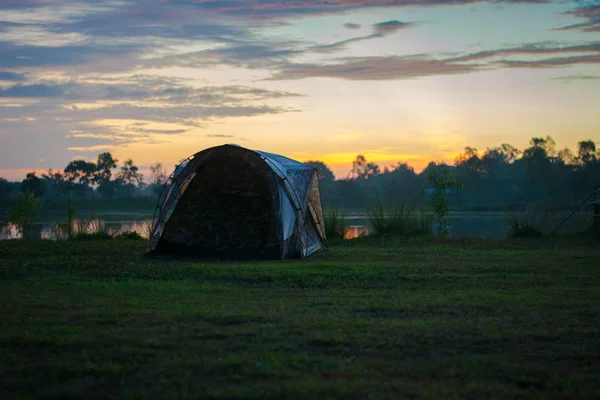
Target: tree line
497, 178
87, 179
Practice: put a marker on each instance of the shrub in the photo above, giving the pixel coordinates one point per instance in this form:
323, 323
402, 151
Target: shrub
523, 226
336, 226
399, 220
23, 213
442, 182
130, 236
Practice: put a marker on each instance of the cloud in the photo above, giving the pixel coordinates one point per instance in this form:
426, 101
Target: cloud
388, 27
530, 49
380, 29
577, 77
15, 56
376, 68
11, 76
552, 62
350, 25
589, 12
140, 88
249, 55
216, 135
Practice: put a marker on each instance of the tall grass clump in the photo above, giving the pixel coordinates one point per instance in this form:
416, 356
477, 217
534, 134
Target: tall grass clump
399, 220
23, 214
336, 226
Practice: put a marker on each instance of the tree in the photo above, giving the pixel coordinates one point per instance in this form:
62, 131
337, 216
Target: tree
104, 164
129, 178
469, 160
361, 169
130, 173
537, 158
33, 184
325, 174
586, 154
5, 190
55, 182
79, 175
158, 178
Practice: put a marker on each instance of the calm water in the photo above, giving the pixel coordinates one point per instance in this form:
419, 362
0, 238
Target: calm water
49, 230
489, 225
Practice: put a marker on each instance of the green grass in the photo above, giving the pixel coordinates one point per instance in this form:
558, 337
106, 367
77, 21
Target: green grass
377, 317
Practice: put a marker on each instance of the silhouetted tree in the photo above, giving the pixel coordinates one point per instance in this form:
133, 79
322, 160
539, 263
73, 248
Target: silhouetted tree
325, 174
80, 174
55, 183
33, 184
362, 169
158, 178
5, 190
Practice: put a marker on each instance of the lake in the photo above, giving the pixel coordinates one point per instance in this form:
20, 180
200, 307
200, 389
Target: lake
464, 224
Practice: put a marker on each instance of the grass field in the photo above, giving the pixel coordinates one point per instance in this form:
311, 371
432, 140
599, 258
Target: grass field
376, 318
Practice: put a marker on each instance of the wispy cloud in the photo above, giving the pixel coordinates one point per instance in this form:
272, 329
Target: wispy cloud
350, 25
590, 12
379, 30
577, 78
377, 68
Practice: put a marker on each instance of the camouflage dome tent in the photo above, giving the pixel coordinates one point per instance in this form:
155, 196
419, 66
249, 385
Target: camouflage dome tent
231, 202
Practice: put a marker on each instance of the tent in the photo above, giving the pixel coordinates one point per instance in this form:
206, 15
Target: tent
232, 202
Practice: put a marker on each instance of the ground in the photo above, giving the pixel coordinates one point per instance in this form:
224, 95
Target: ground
376, 318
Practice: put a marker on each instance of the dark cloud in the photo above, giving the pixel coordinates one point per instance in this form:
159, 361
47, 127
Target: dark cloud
11, 76
551, 62
590, 12
397, 67
150, 20
379, 30
376, 68
350, 25
15, 56
388, 27
141, 88
249, 55
531, 49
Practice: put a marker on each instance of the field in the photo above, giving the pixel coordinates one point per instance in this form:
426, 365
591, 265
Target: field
375, 318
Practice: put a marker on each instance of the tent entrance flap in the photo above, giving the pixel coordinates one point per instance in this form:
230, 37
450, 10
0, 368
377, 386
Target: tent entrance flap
225, 212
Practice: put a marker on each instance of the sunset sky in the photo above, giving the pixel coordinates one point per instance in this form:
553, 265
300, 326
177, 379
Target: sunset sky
395, 80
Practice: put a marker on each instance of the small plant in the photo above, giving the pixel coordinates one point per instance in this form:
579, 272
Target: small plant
442, 182
522, 227
65, 229
399, 220
23, 213
336, 226
148, 229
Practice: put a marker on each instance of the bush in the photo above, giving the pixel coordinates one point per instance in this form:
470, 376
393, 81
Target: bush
523, 227
130, 236
23, 213
336, 226
399, 220
99, 235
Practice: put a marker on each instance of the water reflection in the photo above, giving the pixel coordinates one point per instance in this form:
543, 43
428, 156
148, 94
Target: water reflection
487, 225
53, 231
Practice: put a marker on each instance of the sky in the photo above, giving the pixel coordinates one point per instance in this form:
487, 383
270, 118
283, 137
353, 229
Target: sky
407, 81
